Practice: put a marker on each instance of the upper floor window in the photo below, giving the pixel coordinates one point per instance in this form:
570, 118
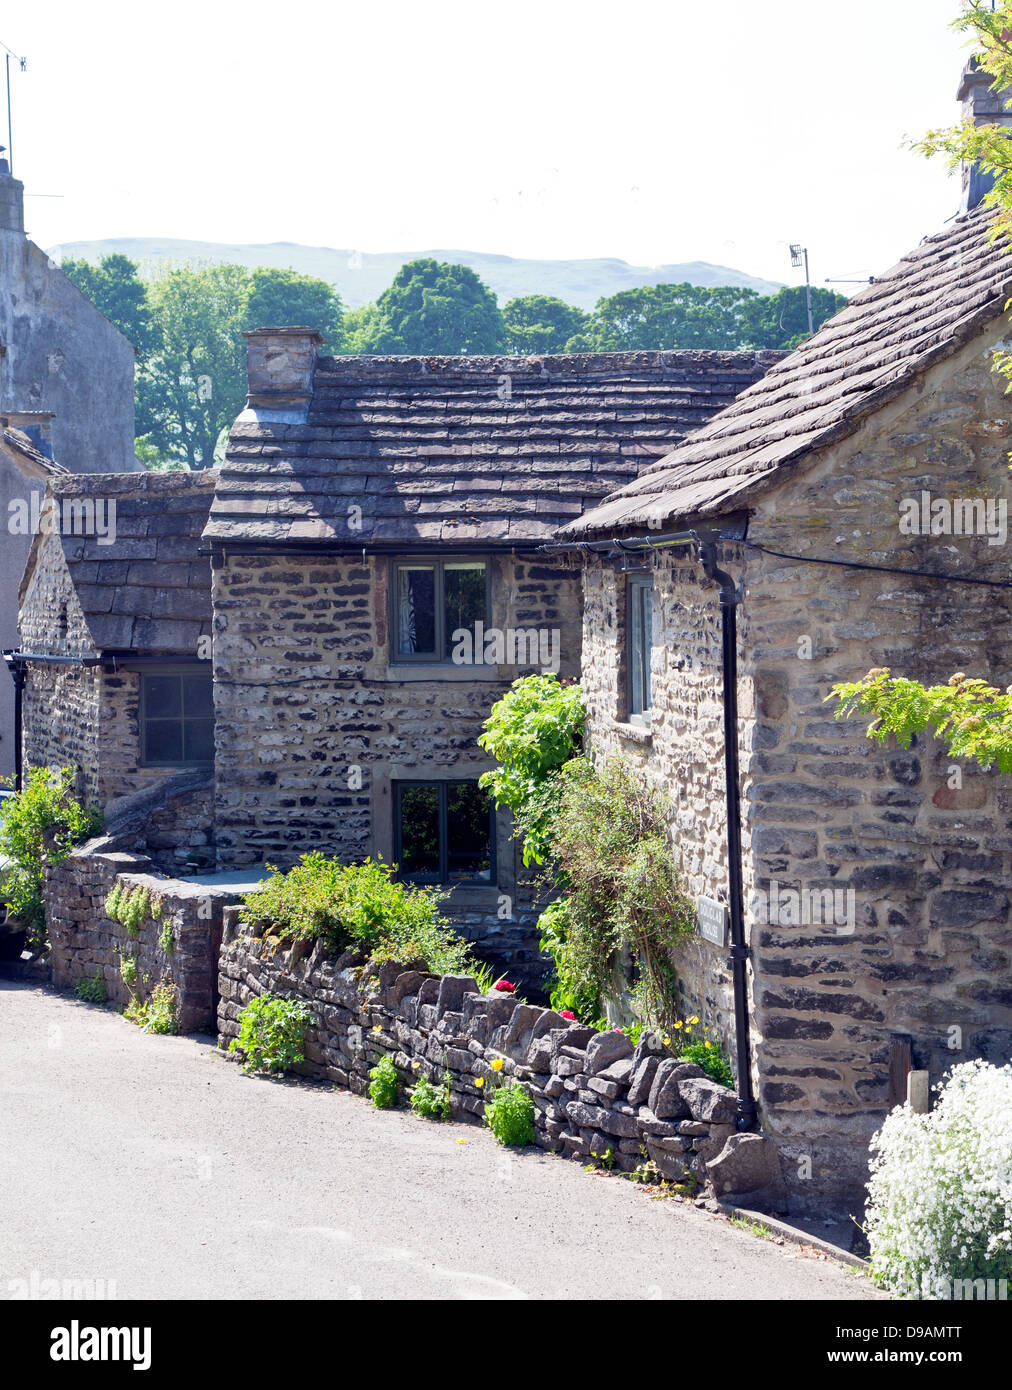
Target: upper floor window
639, 641
443, 832
177, 717
432, 599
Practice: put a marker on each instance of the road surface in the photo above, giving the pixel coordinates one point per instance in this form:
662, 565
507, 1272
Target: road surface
156, 1169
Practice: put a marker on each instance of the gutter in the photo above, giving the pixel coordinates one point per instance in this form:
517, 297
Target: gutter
705, 545
17, 664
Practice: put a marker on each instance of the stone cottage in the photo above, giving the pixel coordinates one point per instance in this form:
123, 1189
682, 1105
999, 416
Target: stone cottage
67, 383
849, 511
371, 562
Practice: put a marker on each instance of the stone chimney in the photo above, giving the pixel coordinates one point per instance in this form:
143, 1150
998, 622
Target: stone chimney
279, 366
983, 107
12, 200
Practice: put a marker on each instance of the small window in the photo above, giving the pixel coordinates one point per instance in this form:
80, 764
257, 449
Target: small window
177, 718
639, 630
432, 599
444, 832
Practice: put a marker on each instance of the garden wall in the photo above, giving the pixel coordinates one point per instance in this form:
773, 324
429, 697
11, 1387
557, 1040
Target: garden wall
592, 1091
86, 943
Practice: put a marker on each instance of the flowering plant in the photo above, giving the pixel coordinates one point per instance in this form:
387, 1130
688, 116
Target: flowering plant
505, 987
940, 1193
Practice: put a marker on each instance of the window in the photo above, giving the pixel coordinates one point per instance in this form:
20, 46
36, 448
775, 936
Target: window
177, 717
431, 600
444, 832
639, 632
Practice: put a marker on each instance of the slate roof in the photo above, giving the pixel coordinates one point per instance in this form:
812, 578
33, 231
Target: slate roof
19, 443
150, 590
936, 299
453, 450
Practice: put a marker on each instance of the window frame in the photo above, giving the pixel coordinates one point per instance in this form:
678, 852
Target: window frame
639, 647
438, 564
442, 878
180, 669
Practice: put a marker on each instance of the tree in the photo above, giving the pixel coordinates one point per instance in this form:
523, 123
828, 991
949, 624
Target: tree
435, 308
781, 320
539, 323
194, 384
116, 289
284, 298
668, 316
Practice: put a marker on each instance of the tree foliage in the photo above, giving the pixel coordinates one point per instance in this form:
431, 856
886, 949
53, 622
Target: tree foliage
540, 323
434, 307
973, 718
117, 290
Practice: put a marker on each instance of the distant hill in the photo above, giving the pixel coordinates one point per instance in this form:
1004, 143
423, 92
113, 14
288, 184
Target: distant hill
360, 276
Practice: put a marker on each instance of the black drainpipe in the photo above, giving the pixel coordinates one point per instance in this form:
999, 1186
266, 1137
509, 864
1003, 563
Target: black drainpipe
730, 597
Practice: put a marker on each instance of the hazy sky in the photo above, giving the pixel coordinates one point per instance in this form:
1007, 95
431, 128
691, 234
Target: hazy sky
654, 132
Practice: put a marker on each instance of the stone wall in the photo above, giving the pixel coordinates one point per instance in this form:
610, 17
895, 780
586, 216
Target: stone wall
86, 943
314, 721
593, 1092
921, 950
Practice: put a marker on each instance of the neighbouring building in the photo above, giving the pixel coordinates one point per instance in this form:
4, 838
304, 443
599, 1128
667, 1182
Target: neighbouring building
858, 498
67, 384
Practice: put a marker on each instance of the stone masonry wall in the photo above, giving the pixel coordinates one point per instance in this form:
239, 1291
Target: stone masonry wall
86, 943
314, 721
592, 1091
922, 950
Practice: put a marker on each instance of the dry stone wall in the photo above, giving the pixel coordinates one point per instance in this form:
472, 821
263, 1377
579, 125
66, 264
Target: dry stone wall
593, 1092
87, 944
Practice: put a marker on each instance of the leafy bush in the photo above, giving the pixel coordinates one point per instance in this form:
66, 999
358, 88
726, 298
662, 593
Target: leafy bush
272, 1033
532, 732
358, 905
569, 990
432, 1101
509, 1114
384, 1084
128, 970
91, 989
940, 1193
972, 717
165, 936
613, 863
708, 1056
157, 1014
39, 825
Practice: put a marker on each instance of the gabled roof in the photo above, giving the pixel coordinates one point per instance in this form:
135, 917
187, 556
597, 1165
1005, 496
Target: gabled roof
935, 300
462, 449
148, 590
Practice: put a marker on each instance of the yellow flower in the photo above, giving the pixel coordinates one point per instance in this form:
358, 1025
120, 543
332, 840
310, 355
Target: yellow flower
416, 1065
693, 1020
480, 1081
377, 1029
497, 1064
709, 1044
461, 1141
667, 1042
679, 1025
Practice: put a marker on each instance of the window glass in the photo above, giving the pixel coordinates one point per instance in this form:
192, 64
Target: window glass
416, 609
419, 810
468, 832
444, 832
177, 717
639, 636
463, 599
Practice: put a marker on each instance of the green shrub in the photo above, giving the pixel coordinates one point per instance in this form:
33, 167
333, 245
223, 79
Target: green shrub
384, 1084
91, 989
157, 1014
709, 1056
272, 1033
165, 935
509, 1114
532, 732
128, 970
39, 825
112, 902
432, 1101
357, 905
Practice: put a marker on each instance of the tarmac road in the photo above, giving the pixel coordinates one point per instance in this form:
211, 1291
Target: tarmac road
155, 1166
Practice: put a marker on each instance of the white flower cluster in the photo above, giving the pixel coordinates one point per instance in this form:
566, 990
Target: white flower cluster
940, 1193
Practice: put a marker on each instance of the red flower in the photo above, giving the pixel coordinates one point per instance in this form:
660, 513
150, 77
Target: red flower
567, 1013
505, 986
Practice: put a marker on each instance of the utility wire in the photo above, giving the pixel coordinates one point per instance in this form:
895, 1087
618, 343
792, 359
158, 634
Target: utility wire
878, 569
